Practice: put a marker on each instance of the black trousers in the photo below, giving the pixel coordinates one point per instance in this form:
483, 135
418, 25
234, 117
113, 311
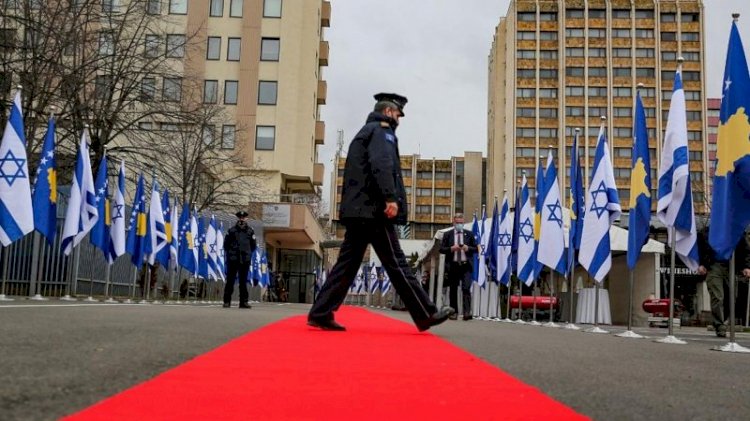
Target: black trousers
460, 275
235, 270
382, 236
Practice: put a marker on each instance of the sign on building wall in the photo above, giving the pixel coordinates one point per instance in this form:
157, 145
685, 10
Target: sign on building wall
276, 216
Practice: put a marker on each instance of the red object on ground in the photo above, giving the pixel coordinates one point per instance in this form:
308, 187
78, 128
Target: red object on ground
660, 307
527, 302
381, 368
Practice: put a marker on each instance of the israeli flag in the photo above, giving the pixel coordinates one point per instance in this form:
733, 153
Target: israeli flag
385, 285
526, 244
16, 212
117, 229
220, 262
504, 243
551, 251
194, 235
675, 205
483, 240
159, 240
174, 245
213, 255
374, 283
602, 208
82, 212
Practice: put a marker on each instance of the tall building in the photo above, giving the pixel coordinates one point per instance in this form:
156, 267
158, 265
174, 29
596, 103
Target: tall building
559, 65
714, 108
436, 189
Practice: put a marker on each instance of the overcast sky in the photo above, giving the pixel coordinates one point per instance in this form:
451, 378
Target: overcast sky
434, 52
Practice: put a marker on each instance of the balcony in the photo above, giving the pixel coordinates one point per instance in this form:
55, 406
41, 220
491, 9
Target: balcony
325, 14
318, 170
323, 53
322, 92
290, 225
320, 132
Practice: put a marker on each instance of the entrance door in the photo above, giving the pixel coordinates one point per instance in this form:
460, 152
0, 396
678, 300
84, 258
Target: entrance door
298, 269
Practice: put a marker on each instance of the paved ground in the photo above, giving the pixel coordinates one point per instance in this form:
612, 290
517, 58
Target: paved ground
56, 358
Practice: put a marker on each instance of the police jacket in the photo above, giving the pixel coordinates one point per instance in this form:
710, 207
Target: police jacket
372, 175
239, 244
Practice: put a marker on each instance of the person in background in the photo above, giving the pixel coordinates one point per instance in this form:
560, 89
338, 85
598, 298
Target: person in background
239, 245
459, 246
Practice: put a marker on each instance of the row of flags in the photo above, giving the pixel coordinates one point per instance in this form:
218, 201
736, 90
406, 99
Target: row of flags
535, 238
368, 279
160, 235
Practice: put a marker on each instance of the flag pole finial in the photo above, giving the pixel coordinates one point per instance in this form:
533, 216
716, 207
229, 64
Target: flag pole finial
680, 59
735, 16
523, 172
578, 130
52, 109
19, 87
640, 85
604, 118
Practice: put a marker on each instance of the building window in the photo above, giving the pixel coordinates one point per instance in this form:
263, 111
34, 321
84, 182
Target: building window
213, 48
598, 91
596, 112
210, 91
574, 90
696, 155
547, 92
690, 36
621, 72
172, 89
424, 192
145, 125
269, 49
691, 55
230, 92
526, 54
668, 17
623, 152
548, 36
622, 132
621, 33
525, 152
267, 92
693, 115
233, 49
153, 46
406, 173
525, 132
235, 8
178, 7
424, 175
689, 17
622, 172
153, 7
526, 35
574, 32
106, 44
548, 112
265, 138
573, 52
597, 71
693, 96
621, 13
648, 92
148, 89
696, 176
620, 91
526, 73
424, 209
597, 52
574, 71
442, 192
442, 175
597, 33
103, 87
272, 8
525, 112
216, 8
548, 73
688, 75
644, 33
548, 54
227, 136
597, 14
442, 210
574, 111
175, 45
546, 132
645, 72
621, 52
547, 17
669, 36
623, 112
526, 92
644, 14
574, 13
645, 52
207, 134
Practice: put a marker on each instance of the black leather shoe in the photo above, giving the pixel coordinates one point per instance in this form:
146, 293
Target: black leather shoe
453, 316
325, 324
468, 317
226, 305
435, 319
245, 305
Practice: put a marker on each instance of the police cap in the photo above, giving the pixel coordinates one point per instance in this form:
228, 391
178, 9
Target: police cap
241, 214
397, 100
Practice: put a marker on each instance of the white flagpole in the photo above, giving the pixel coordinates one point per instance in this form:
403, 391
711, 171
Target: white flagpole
533, 313
551, 284
571, 325
3, 297
629, 333
732, 346
596, 328
670, 338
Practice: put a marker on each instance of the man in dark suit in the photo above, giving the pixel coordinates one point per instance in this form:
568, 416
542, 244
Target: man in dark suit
459, 247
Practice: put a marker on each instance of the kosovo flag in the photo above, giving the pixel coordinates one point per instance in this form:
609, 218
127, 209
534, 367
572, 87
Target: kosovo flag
138, 244
577, 204
44, 197
99, 236
730, 208
185, 248
640, 187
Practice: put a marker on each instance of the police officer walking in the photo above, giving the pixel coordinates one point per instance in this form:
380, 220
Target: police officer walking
239, 245
373, 200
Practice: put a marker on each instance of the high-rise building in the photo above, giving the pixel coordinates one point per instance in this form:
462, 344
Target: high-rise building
436, 189
714, 109
559, 65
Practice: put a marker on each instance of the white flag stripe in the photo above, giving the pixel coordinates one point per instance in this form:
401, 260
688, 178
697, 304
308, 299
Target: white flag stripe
117, 229
552, 237
82, 213
602, 208
16, 212
526, 236
504, 242
157, 225
675, 195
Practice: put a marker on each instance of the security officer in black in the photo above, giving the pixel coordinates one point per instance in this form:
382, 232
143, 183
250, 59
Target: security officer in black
373, 199
239, 245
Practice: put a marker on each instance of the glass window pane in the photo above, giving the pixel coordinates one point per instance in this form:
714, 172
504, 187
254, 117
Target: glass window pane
175, 45
267, 92
269, 49
265, 138
213, 50
272, 8
230, 92
233, 49
227, 136
153, 46
210, 91
216, 8
172, 89
235, 8
153, 7
178, 7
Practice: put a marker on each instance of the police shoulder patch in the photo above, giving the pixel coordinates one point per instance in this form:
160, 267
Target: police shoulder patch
384, 124
389, 137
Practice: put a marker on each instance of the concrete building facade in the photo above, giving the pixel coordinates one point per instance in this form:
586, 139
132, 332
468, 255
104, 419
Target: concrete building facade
559, 65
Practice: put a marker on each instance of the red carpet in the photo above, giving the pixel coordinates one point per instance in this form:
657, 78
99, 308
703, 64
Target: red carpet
380, 368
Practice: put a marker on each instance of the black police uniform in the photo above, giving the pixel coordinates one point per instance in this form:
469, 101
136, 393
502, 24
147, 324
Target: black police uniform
239, 245
372, 177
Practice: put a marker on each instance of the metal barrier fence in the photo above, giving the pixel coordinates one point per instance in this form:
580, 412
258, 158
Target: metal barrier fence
31, 266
